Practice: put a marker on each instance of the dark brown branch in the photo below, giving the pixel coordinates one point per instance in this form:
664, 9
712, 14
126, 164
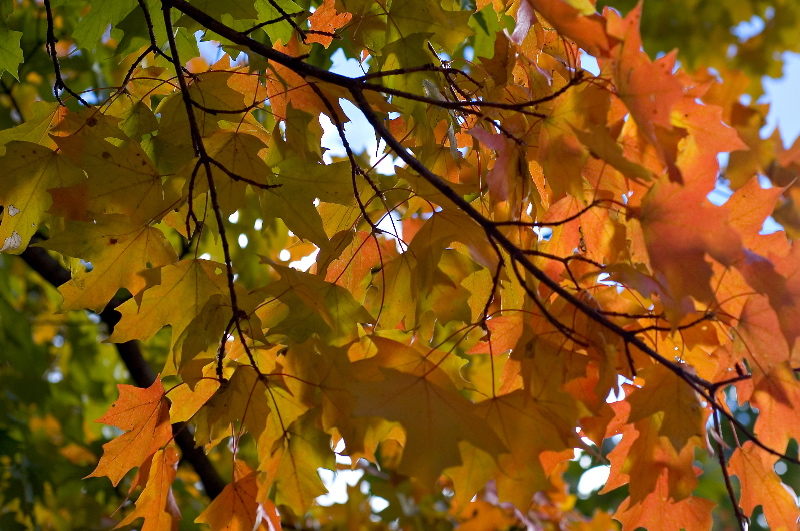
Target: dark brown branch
51, 50
285, 16
564, 221
740, 518
206, 161
306, 70
518, 256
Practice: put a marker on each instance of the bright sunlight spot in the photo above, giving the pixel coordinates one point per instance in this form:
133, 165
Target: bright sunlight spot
592, 480
337, 483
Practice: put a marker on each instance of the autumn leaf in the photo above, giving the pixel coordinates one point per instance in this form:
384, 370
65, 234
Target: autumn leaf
324, 22
156, 503
761, 486
648, 88
117, 249
677, 243
302, 450
189, 284
242, 398
238, 165
677, 405
432, 416
144, 415
471, 251
125, 180
323, 308
237, 508
660, 511
577, 21
29, 171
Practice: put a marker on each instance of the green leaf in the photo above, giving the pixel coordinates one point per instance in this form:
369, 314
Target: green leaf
91, 28
10, 52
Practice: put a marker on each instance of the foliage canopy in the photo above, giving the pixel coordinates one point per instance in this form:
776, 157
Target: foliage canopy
523, 277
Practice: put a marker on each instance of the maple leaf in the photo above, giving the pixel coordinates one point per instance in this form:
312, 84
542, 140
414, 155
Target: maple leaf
156, 504
523, 235
117, 249
504, 333
678, 239
643, 455
301, 451
29, 170
659, 511
434, 416
237, 507
514, 417
187, 286
351, 270
583, 26
239, 164
648, 88
325, 21
122, 178
144, 415
243, 397
316, 306
665, 393
761, 486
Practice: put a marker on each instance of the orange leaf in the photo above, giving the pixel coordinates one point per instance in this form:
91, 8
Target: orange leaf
588, 32
680, 227
649, 88
676, 405
777, 397
324, 22
435, 419
658, 511
505, 331
761, 486
144, 415
236, 508
156, 503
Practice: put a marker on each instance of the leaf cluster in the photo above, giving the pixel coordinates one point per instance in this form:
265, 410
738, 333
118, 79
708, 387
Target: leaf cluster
524, 271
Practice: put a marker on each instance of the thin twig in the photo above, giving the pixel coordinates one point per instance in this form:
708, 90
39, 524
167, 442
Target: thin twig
51, 50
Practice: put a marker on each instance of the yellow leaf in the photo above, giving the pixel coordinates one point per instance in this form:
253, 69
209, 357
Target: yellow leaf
183, 292
435, 419
117, 251
122, 178
156, 503
238, 154
29, 171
